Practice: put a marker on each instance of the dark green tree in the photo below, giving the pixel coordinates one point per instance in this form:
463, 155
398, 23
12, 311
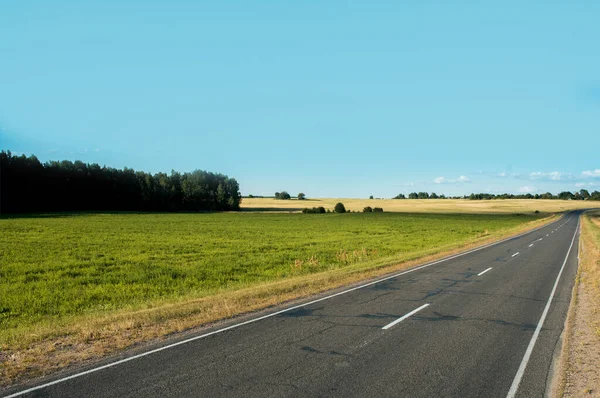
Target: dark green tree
339, 208
584, 194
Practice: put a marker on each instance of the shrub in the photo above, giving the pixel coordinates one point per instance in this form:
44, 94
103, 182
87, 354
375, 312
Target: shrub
367, 209
314, 210
339, 208
377, 210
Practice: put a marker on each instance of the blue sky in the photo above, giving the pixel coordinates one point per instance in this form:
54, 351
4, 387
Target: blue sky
336, 98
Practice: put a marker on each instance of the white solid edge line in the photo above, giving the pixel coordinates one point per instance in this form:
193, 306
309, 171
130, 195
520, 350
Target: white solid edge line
484, 271
389, 325
517, 380
516, 254
531, 245
143, 354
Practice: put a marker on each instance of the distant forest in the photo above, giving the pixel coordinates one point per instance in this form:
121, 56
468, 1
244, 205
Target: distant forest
582, 194
27, 185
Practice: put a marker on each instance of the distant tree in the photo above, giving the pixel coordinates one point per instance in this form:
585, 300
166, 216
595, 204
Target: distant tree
283, 195
371, 197
339, 208
565, 195
367, 209
423, 195
301, 196
595, 195
433, 196
584, 194
413, 195
400, 196
377, 210
250, 196
546, 195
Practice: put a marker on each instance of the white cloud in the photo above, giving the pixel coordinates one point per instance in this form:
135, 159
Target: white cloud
460, 179
536, 174
585, 184
553, 175
527, 189
503, 174
591, 173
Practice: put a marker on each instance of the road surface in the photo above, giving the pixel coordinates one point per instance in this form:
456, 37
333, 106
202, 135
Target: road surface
483, 324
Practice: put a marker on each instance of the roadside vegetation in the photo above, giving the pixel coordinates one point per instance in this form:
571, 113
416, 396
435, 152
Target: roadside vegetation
77, 286
581, 351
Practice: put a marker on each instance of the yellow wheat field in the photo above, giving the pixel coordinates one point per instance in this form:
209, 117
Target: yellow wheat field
423, 205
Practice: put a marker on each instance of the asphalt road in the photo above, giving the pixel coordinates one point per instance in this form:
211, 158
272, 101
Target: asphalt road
457, 328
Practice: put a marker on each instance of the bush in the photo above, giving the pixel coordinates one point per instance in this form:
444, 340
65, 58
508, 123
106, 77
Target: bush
377, 210
314, 210
367, 209
339, 208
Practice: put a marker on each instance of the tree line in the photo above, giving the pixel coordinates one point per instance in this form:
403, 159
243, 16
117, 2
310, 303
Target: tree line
28, 185
583, 194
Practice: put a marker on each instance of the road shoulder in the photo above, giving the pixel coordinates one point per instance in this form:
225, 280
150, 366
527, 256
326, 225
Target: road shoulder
577, 373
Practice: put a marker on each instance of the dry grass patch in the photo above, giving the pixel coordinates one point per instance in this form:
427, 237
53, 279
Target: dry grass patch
580, 357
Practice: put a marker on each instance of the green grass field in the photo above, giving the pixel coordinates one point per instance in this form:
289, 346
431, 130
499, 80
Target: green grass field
63, 266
